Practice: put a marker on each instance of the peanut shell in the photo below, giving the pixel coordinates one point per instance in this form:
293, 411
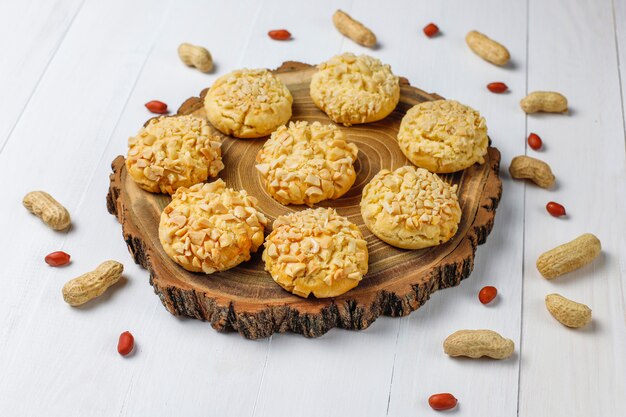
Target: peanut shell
353, 29
544, 101
525, 167
569, 256
478, 343
568, 312
92, 284
487, 48
50, 211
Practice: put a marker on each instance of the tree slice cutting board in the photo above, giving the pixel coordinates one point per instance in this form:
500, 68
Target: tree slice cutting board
245, 298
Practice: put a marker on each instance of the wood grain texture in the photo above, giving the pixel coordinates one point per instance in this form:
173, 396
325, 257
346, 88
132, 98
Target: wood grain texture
34, 31
246, 299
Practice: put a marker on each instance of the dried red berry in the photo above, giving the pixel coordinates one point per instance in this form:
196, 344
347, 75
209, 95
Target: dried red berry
487, 294
497, 88
555, 209
431, 30
58, 258
534, 141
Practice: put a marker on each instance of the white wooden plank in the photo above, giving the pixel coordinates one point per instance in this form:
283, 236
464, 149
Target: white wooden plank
619, 20
314, 37
32, 32
315, 377
576, 372
341, 373
62, 134
55, 147
205, 370
444, 64
181, 365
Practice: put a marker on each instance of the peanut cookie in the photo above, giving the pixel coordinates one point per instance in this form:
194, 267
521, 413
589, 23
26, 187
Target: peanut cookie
210, 228
172, 152
315, 251
248, 103
410, 208
443, 136
355, 89
307, 163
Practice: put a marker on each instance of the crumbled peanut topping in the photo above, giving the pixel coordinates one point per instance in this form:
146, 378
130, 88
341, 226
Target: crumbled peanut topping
315, 250
410, 207
355, 89
307, 163
443, 136
248, 103
172, 152
210, 228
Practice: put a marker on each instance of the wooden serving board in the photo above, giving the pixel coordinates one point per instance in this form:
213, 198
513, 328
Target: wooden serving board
245, 298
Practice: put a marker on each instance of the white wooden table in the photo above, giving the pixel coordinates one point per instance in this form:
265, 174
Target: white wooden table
74, 75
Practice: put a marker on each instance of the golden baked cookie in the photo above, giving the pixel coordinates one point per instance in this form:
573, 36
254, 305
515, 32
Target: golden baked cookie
172, 152
208, 227
443, 136
248, 103
307, 163
315, 251
410, 208
354, 89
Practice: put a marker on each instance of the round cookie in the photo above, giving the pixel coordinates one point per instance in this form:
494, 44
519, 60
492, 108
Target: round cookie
248, 103
172, 152
315, 251
443, 136
307, 163
355, 89
208, 227
410, 208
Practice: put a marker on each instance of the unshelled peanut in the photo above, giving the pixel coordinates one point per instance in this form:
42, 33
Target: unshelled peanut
525, 167
353, 29
195, 56
544, 101
50, 211
569, 256
92, 284
487, 48
478, 343
568, 312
